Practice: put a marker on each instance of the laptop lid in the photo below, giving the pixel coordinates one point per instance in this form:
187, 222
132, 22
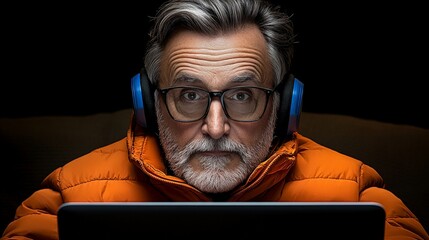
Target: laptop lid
221, 220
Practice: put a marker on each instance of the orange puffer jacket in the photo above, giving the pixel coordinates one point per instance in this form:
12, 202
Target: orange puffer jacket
132, 169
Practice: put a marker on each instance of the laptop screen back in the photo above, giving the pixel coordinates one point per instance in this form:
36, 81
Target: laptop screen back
221, 220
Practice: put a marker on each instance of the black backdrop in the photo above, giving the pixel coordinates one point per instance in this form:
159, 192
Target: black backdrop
355, 58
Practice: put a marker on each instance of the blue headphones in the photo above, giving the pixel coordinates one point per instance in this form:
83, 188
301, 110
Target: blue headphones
290, 89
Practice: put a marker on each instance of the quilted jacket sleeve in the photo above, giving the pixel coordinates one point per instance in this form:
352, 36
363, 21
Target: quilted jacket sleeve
36, 217
401, 223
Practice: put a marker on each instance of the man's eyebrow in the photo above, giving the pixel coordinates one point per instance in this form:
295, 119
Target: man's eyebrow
245, 78
186, 78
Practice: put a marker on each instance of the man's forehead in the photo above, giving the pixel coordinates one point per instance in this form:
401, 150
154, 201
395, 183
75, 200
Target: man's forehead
237, 57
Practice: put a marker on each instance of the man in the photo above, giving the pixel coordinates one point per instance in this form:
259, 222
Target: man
212, 127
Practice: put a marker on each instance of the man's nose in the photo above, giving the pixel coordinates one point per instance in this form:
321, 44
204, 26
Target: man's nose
216, 123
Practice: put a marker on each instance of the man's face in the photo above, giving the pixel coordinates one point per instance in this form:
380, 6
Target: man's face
215, 154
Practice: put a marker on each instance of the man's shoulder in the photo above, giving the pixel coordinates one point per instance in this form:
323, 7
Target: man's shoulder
105, 163
309, 148
316, 160
103, 153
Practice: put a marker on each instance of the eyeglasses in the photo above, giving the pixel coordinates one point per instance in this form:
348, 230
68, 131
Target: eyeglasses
188, 104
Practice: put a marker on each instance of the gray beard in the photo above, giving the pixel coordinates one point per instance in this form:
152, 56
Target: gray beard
213, 175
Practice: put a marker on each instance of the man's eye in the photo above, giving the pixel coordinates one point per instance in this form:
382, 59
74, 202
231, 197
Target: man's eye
241, 96
191, 96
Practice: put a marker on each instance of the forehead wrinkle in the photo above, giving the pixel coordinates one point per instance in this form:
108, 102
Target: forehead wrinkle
187, 59
210, 51
244, 68
235, 64
224, 56
253, 75
182, 73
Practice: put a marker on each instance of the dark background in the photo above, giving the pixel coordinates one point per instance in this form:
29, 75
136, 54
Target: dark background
355, 58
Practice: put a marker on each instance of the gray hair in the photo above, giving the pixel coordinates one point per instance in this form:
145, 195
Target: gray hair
217, 16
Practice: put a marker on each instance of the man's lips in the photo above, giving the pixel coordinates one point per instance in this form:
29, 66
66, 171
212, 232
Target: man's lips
215, 153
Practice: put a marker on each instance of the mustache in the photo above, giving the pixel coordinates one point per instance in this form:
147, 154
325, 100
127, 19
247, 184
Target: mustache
222, 144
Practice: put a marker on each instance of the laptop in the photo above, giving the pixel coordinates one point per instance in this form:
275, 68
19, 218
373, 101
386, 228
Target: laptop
221, 220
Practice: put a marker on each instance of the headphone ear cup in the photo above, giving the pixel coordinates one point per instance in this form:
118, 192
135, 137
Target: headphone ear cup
289, 112
144, 101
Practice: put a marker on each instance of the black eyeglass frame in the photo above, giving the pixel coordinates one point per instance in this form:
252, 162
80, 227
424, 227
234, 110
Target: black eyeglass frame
220, 95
